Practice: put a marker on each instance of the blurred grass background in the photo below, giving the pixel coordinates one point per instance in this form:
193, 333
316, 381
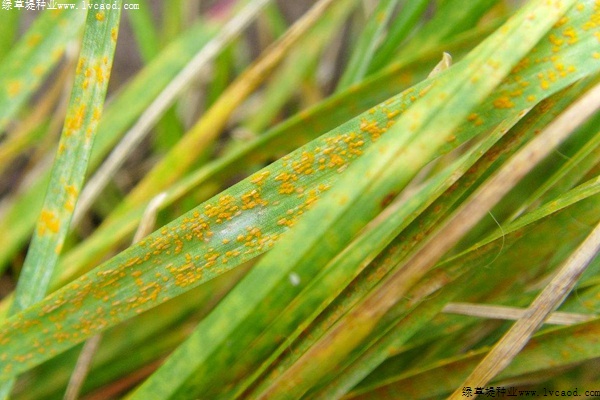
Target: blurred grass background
300, 144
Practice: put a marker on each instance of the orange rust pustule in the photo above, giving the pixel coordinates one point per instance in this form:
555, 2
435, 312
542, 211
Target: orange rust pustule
387, 199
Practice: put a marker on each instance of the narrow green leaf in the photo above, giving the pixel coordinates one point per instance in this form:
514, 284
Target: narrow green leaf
572, 170
197, 141
288, 78
520, 237
85, 109
557, 347
431, 120
331, 224
68, 172
307, 125
418, 229
172, 22
367, 43
96, 283
9, 25
344, 268
357, 306
144, 30
231, 236
464, 15
28, 63
407, 18
18, 221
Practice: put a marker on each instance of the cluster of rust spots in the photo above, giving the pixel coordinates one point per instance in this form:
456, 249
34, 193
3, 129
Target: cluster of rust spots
286, 180
220, 228
372, 128
334, 154
255, 241
75, 121
252, 199
594, 20
80, 65
475, 119
225, 209
200, 226
503, 102
563, 35
186, 274
97, 71
72, 193
49, 222
260, 177
552, 75
310, 198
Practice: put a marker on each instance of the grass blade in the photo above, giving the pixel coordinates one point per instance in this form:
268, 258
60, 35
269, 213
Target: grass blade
366, 44
18, 221
85, 109
24, 68
195, 142
563, 282
408, 17
324, 357
135, 135
269, 279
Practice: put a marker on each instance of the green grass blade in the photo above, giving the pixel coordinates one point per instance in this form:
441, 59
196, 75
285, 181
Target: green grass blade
138, 131
338, 274
275, 20
571, 171
251, 194
31, 133
417, 230
288, 78
198, 140
488, 253
557, 347
271, 275
68, 172
23, 69
18, 221
366, 44
408, 17
85, 109
437, 30
553, 295
338, 254
144, 31
127, 285
172, 22
294, 132
294, 382
9, 25
285, 137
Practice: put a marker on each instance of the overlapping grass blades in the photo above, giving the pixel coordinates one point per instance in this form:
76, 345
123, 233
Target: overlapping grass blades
356, 189
27, 64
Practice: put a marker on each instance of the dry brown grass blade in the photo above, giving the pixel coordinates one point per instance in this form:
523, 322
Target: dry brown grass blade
512, 313
520, 333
